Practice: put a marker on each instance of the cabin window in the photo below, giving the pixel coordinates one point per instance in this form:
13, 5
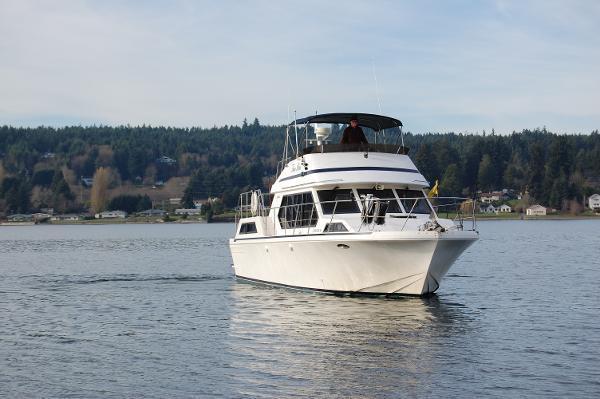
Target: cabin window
335, 228
298, 210
342, 201
384, 196
414, 201
248, 228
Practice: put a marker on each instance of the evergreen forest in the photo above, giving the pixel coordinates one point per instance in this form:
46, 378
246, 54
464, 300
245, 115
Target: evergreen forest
47, 167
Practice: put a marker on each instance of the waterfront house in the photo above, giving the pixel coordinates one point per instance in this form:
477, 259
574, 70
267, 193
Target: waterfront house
536, 210
41, 216
504, 208
152, 212
70, 217
594, 202
111, 215
487, 208
493, 196
20, 217
188, 211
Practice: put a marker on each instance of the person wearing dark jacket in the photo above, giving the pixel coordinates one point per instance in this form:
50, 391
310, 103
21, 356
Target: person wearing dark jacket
353, 134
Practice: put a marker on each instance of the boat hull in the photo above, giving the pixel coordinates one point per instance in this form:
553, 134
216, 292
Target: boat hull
410, 263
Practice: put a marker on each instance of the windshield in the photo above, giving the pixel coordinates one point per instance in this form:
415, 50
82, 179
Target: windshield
340, 201
386, 195
414, 201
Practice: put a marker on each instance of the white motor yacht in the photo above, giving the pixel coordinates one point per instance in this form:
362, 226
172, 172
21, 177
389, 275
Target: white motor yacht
349, 218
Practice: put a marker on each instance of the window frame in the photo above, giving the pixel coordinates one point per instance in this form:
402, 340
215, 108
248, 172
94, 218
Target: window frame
327, 206
420, 198
394, 196
244, 228
309, 215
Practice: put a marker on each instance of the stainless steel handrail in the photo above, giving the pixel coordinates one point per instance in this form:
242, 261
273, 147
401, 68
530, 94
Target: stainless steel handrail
244, 211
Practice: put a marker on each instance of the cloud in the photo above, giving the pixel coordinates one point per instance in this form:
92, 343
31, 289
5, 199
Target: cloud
463, 66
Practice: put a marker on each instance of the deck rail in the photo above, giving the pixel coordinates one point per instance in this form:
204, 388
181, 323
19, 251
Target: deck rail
304, 217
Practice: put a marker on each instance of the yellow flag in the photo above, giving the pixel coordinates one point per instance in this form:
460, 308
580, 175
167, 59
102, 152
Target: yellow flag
434, 190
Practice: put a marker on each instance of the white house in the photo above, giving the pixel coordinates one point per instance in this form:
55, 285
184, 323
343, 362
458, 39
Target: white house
489, 197
188, 211
504, 208
111, 215
594, 202
487, 209
69, 217
536, 210
152, 212
20, 217
494, 196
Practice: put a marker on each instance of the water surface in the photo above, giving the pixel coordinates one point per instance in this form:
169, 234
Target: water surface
154, 311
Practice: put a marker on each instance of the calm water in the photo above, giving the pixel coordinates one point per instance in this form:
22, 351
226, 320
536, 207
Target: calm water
153, 311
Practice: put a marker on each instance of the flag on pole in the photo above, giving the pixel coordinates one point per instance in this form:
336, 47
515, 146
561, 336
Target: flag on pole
434, 190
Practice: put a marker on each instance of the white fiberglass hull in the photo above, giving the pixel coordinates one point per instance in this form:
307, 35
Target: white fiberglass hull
411, 263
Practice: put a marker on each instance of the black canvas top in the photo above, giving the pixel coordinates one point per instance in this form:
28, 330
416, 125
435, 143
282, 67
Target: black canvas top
375, 122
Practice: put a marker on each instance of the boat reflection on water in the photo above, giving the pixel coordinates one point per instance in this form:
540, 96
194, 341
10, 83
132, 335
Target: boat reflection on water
315, 344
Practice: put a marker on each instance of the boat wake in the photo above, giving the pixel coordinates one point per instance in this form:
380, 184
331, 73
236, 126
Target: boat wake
98, 279
145, 278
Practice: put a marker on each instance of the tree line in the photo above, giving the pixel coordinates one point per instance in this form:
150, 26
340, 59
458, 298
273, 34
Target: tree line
557, 170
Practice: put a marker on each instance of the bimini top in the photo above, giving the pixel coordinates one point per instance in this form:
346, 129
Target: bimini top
375, 122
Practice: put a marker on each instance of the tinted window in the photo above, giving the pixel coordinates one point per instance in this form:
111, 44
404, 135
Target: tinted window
335, 228
343, 201
248, 228
298, 210
415, 202
384, 195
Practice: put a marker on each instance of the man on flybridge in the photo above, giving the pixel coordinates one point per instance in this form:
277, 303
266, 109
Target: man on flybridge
353, 134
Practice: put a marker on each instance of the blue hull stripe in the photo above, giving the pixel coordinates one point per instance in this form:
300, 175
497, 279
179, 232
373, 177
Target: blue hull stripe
351, 169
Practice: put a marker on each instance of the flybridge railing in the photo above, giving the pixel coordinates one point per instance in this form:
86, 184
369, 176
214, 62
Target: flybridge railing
373, 211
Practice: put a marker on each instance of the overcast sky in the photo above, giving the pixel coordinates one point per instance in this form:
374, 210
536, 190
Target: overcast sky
460, 66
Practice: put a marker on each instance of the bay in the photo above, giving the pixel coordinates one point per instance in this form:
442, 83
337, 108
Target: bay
154, 311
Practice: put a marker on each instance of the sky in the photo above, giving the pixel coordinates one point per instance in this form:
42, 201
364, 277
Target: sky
439, 66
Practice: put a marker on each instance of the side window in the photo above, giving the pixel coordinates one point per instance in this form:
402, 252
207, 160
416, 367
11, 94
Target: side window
298, 210
248, 228
342, 201
385, 195
414, 201
334, 228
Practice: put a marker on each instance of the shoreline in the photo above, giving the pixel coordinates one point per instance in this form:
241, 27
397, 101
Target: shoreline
549, 217
202, 221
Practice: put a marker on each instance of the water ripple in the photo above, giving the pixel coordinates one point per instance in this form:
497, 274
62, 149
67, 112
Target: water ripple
154, 311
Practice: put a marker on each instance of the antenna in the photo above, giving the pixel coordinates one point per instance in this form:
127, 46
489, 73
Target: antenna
296, 131
287, 134
377, 94
376, 84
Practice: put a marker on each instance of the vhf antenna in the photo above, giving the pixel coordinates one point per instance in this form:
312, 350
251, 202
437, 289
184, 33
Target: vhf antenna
377, 94
376, 85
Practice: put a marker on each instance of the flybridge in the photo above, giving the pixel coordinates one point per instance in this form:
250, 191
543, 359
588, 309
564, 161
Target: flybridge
303, 143
372, 121
386, 148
